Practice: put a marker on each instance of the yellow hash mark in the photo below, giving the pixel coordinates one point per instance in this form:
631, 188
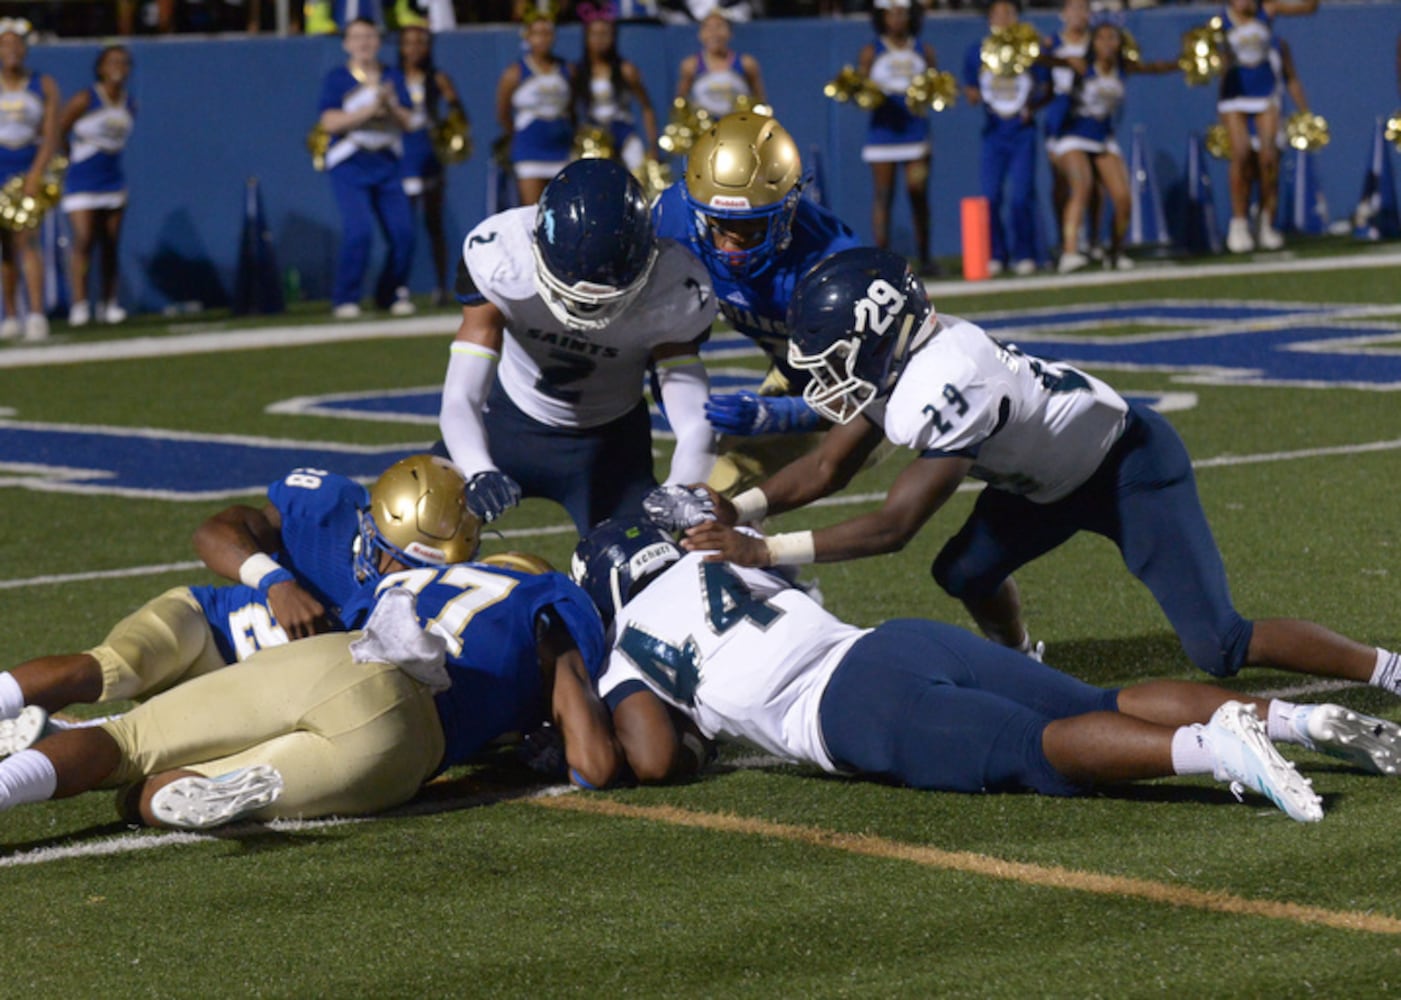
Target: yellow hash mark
981, 864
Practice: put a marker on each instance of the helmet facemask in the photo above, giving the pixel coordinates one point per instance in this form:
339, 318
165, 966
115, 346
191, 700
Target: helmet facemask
585, 305
762, 248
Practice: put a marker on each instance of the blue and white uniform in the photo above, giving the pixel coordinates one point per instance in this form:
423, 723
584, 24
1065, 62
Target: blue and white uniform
1008, 152
240, 620
419, 167
1061, 453
609, 109
1095, 103
756, 303
896, 134
487, 615
95, 178
21, 119
542, 133
750, 658
566, 418
364, 168
1251, 81
717, 90
1062, 82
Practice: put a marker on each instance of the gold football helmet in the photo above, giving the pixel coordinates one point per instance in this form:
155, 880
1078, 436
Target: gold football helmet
521, 562
418, 514
743, 180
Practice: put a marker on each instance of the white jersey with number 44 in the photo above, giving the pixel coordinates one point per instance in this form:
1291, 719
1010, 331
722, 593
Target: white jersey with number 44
1033, 427
573, 378
743, 652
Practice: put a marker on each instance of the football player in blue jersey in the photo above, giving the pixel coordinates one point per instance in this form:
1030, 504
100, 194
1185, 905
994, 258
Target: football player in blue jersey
740, 209
449, 658
414, 515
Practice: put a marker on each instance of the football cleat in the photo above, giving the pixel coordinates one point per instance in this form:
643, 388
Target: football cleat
1245, 756
1371, 744
197, 803
23, 731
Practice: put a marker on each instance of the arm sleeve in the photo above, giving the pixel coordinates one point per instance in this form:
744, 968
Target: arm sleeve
685, 388
471, 368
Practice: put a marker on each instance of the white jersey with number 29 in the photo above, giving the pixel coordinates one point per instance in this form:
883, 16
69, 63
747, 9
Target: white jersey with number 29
743, 652
1032, 427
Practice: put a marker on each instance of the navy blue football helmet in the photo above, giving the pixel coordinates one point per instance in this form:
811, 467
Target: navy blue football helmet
594, 243
852, 323
617, 557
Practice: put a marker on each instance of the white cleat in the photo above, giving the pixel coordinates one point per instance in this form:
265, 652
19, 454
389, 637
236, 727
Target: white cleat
1270, 239
1371, 744
197, 803
1071, 262
23, 731
1245, 756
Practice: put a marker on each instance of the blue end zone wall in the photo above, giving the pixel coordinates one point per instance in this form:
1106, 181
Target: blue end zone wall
214, 112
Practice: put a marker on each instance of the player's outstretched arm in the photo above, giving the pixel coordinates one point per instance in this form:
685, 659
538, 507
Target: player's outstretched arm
647, 737
589, 746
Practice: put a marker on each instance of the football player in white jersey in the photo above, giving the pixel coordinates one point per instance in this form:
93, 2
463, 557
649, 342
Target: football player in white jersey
1061, 453
566, 307
745, 655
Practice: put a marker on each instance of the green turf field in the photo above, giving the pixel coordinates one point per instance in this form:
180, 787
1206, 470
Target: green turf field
759, 879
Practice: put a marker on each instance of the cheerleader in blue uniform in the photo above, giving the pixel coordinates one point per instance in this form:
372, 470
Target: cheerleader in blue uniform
98, 122
432, 93
606, 86
1067, 52
365, 108
28, 138
1249, 96
1087, 150
896, 135
1009, 144
717, 76
533, 109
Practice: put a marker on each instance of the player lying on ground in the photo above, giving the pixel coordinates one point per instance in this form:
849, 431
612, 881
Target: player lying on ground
351, 723
745, 655
1061, 452
330, 537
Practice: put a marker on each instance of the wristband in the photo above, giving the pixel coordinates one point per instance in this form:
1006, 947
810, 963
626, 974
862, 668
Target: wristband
793, 549
260, 571
579, 780
750, 506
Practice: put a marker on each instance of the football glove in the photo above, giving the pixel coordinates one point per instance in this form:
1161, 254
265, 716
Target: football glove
542, 750
745, 414
491, 493
676, 508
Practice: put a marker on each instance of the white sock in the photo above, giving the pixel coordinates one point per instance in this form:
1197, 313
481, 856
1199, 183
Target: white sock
1288, 722
1191, 751
27, 776
1387, 674
11, 697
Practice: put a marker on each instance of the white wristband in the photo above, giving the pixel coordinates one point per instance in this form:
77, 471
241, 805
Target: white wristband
750, 506
255, 567
793, 549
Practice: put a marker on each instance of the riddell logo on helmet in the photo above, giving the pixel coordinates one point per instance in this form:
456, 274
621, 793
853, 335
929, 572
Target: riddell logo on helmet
729, 201
426, 553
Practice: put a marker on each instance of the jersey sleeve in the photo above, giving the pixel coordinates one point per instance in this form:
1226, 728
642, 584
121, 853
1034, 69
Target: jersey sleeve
619, 681
496, 263
333, 90
684, 303
564, 598
671, 216
313, 495
950, 412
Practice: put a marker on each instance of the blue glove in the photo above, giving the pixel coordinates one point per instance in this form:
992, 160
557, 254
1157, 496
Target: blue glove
745, 414
490, 494
676, 508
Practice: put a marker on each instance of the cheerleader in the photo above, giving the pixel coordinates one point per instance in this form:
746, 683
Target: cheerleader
895, 134
533, 110
1250, 96
365, 108
28, 138
1086, 148
97, 122
430, 90
717, 76
606, 86
1067, 52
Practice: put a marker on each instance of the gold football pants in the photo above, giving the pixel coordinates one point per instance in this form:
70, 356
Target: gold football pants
165, 641
347, 738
